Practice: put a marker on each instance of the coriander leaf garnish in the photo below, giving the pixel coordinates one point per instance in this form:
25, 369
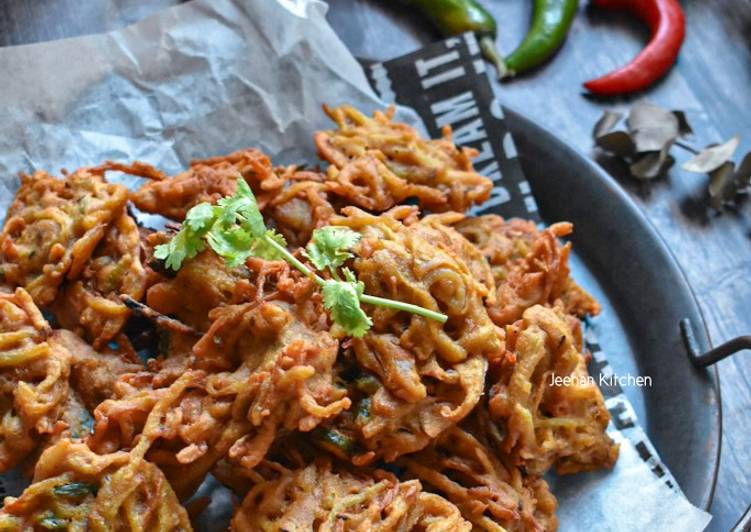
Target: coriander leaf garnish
243, 205
235, 230
231, 243
201, 217
185, 245
342, 300
330, 247
263, 248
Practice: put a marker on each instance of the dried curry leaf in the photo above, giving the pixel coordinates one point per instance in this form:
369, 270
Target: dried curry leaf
712, 157
651, 165
652, 127
722, 185
684, 127
606, 123
743, 173
617, 142
651, 132
75, 489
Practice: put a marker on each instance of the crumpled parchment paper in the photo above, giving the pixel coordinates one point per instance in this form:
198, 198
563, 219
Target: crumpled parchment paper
212, 76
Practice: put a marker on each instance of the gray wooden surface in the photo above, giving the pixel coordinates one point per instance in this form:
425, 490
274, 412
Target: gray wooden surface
712, 82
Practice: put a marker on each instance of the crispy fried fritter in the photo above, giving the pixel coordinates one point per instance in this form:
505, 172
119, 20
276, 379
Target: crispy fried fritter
202, 284
262, 366
93, 374
411, 260
92, 305
33, 379
426, 376
491, 494
208, 180
547, 421
321, 499
75, 489
52, 228
299, 209
438, 173
368, 183
295, 201
529, 266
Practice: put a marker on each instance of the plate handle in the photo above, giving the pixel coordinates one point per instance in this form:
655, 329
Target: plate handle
708, 358
715, 354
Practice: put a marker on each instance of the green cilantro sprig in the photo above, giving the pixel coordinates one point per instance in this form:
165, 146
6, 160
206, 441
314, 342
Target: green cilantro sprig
234, 229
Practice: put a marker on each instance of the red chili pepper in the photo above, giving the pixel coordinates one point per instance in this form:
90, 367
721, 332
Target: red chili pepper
668, 26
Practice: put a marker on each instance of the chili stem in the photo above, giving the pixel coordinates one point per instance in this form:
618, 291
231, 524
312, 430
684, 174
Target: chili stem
487, 45
399, 305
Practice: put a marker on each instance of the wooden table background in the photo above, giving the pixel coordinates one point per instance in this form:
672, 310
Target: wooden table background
712, 83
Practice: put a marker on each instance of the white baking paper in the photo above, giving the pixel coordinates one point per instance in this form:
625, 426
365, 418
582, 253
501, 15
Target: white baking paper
209, 77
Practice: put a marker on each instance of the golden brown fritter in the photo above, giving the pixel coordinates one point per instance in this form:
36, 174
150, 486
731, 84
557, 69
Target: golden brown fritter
368, 183
52, 228
493, 495
294, 201
438, 173
208, 180
530, 266
33, 379
92, 305
261, 367
426, 376
321, 499
75, 489
202, 284
93, 374
298, 209
551, 411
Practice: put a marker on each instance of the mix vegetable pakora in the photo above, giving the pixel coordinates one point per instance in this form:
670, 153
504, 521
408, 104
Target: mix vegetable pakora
339, 356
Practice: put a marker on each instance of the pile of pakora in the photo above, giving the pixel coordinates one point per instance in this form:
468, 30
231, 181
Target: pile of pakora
125, 384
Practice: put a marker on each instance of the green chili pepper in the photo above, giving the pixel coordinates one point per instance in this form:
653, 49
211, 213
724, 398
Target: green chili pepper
49, 521
337, 443
363, 410
75, 489
550, 23
454, 17
367, 383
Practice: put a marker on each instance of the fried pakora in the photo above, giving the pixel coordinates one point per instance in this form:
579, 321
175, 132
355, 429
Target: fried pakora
92, 305
207, 180
377, 163
93, 374
321, 499
33, 379
493, 495
202, 284
260, 367
530, 266
76, 489
552, 412
52, 228
426, 376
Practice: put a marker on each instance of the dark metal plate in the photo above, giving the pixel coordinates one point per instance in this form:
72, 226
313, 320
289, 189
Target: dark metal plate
623, 261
